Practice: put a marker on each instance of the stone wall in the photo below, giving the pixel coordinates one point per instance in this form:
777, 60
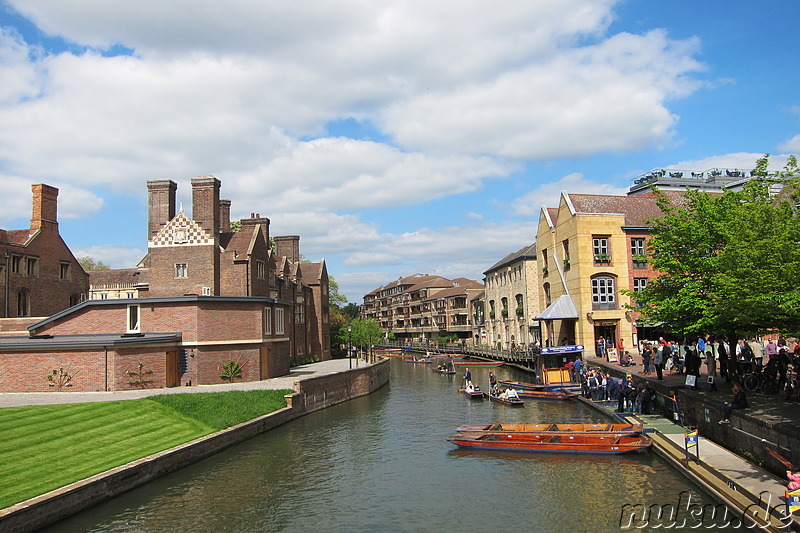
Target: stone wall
310, 395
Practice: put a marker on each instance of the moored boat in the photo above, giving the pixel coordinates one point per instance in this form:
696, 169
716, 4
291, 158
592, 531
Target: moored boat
556, 394
527, 442
522, 385
618, 430
478, 363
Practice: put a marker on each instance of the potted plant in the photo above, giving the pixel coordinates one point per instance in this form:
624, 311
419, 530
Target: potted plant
520, 310
505, 312
566, 263
491, 314
640, 259
602, 258
544, 270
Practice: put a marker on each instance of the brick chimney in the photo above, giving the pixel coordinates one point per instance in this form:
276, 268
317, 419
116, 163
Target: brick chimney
45, 207
205, 203
256, 220
289, 247
160, 205
225, 216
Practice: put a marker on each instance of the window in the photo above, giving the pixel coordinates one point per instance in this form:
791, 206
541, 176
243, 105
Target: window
181, 270
639, 284
16, 264
64, 272
133, 319
32, 267
104, 296
299, 313
267, 321
206, 291
279, 321
565, 244
130, 295
603, 295
600, 249
544, 258
547, 298
638, 247
23, 303
261, 270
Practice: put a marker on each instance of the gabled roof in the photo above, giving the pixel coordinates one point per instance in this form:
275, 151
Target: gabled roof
19, 237
637, 210
526, 252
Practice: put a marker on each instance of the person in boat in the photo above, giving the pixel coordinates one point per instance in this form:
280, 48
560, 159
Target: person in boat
492, 383
511, 394
468, 378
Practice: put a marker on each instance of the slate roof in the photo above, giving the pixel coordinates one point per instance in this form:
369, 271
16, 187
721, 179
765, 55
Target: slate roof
526, 252
20, 237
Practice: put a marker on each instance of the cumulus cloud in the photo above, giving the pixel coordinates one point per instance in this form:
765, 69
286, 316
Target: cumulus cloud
549, 194
113, 256
791, 146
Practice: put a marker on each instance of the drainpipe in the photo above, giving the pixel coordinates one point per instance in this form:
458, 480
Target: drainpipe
5, 292
105, 355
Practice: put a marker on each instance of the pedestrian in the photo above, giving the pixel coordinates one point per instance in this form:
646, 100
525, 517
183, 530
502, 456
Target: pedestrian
577, 369
711, 367
722, 353
739, 401
658, 361
647, 354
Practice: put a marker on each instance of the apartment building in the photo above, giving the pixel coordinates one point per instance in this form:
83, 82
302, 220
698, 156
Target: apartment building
422, 307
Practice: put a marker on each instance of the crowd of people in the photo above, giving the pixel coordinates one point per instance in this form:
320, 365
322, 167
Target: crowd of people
598, 385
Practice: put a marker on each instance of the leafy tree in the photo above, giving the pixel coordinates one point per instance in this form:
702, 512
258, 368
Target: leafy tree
727, 262
90, 263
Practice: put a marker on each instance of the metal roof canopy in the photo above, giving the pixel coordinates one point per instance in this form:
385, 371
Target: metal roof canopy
561, 309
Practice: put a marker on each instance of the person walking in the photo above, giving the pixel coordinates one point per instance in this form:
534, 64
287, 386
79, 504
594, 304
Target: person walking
658, 361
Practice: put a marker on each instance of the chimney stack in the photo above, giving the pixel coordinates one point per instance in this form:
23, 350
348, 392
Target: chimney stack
45, 207
160, 205
289, 247
225, 216
205, 203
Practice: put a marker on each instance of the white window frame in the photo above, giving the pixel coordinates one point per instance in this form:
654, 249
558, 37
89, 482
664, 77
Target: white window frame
604, 291
280, 321
134, 316
600, 246
267, 321
181, 271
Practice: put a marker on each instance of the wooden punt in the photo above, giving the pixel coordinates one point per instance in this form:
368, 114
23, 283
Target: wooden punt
440, 371
619, 430
564, 443
513, 402
521, 385
474, 394
423, 361
546, 394
478, 363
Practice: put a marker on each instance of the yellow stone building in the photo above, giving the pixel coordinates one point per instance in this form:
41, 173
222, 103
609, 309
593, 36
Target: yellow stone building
590, 248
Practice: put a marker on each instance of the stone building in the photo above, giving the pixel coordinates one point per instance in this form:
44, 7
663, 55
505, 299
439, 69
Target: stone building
203, 296
39, 276
511, 300
590, 247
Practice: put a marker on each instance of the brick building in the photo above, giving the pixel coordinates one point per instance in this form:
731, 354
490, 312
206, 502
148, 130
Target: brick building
202, 296
39, 276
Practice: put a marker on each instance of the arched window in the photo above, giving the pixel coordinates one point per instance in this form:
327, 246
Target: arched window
547, 298
604, 294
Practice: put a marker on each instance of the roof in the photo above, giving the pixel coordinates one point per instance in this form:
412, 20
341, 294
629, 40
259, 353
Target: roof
526, 252
637, 210
563, 308
116, 276
54, 342
19, 237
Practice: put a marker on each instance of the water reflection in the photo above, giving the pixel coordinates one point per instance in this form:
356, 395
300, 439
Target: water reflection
382, 463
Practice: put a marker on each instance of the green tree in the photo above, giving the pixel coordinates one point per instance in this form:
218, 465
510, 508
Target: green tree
365, 333
90, 263
728, 262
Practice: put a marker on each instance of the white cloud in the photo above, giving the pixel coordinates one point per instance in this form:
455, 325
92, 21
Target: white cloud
791, 146
549, 194
113, 256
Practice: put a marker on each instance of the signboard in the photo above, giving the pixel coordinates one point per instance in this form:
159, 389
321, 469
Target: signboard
612, 355
690, 439
793, 500
562, 349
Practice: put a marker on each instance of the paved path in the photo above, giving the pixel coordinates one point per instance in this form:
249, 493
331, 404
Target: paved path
299, 373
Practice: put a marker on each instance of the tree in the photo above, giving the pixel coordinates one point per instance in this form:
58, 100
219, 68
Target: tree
727, 262
90, 263
365, 333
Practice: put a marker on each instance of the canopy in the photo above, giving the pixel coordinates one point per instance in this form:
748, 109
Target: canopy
561, 309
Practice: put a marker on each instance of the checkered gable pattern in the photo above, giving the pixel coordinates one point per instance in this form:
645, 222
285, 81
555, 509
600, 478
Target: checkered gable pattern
181, 230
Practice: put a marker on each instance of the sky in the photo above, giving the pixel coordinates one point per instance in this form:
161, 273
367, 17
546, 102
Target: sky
394, 137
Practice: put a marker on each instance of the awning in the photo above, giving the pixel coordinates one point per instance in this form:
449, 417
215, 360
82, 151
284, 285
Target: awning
561, 309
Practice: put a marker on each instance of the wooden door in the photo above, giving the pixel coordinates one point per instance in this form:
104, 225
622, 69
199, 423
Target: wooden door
264, 366
171, 374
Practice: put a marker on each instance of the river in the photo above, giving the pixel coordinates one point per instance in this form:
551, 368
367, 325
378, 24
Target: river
382, 463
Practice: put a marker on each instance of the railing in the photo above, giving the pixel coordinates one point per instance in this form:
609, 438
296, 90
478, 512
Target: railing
522, 357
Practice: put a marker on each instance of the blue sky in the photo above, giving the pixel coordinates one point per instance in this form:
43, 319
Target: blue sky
393, 137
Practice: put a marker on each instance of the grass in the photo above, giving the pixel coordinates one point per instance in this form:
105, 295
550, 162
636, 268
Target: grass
46, 447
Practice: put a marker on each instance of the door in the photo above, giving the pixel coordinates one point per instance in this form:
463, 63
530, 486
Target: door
264, 373
171, 377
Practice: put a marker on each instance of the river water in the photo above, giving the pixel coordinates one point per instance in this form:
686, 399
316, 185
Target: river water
382, 463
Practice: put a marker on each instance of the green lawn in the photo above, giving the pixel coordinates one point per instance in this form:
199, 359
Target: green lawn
49, 446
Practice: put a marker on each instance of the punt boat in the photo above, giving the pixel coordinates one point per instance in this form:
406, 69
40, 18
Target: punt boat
513, 402
474, 394
618, 430
527, 442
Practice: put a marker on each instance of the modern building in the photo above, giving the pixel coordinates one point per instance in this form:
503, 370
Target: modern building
202, 299
39, 276
422, 307
511, 301
590, 247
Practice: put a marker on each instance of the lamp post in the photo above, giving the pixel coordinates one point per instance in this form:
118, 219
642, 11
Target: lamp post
349, 350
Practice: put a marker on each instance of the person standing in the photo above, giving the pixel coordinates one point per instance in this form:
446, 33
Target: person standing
492, 383
658, 361
711, 367
577, 368
647, 354
468, 378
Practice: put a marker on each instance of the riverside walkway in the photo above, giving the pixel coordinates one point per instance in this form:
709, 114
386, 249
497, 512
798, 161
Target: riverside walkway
298, 373
743, 485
